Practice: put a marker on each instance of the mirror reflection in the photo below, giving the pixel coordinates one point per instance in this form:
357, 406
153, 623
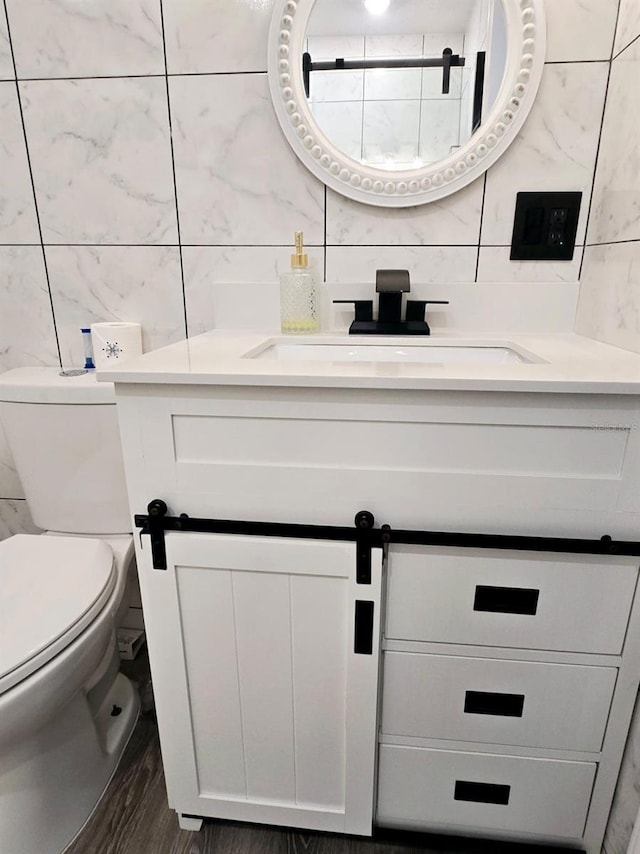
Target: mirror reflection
402, 84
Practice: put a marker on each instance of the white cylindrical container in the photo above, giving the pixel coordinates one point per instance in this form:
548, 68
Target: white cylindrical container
114, 343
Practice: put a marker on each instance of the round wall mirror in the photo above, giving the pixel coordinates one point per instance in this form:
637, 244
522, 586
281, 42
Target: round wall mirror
402, 102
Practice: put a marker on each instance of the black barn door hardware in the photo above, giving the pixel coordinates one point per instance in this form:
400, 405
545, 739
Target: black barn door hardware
366, 537
446, 62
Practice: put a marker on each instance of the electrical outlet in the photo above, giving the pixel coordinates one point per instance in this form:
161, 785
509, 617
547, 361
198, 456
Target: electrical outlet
545, 226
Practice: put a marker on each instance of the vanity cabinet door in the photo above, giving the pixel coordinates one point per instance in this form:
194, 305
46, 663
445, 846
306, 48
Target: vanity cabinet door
266, 712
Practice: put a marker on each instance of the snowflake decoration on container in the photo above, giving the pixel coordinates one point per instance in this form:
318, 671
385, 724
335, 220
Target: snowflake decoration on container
112, 349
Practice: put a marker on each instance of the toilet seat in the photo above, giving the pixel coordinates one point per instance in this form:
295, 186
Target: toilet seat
51, 589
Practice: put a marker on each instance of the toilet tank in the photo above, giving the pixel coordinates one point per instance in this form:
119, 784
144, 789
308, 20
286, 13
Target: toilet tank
63, 435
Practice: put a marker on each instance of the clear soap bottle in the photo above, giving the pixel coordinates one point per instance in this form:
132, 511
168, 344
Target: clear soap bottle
299, 308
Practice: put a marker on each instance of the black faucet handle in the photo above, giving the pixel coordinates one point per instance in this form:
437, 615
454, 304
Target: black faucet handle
416, 307
363, 307
392, 280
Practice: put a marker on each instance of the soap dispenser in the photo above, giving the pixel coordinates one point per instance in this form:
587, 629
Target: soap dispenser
299, 310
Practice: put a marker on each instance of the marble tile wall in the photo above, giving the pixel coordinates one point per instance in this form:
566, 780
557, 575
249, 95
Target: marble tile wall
609, 301
143, 168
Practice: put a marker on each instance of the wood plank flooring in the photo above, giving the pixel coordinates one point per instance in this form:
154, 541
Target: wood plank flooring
133, 818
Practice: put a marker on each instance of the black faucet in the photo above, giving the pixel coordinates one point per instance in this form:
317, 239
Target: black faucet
390, 285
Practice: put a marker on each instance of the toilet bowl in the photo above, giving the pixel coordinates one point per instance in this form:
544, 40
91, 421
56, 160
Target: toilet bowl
66, 713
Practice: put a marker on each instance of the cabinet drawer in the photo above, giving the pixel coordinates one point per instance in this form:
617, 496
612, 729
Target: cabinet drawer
529, 704
577, 603
424, 788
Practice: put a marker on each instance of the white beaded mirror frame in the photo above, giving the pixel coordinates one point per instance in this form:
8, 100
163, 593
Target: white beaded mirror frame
526, 42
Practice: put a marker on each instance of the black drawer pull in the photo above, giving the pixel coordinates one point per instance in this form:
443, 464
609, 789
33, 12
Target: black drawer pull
481, 793
363, 640
486, 703
506, 600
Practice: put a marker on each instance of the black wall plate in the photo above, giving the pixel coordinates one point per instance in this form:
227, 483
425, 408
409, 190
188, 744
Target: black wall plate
545, 226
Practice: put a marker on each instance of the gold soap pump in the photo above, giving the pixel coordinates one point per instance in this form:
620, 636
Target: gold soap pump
299, 294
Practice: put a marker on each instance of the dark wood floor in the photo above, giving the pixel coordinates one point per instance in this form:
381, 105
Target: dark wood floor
133, 818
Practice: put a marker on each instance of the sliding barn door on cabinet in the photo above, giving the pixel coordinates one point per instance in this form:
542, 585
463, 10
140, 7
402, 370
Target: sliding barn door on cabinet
266, 711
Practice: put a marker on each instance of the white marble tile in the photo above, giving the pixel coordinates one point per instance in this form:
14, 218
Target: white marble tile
579, 30
91, 284
238, 180
65, 38
216, 35
627, 797
628, 24
390, 132
341, 123
101, 158
6, 62
609, 306
15, 518
27, 335
327, 48
453, 220
426, 264
615, 212
555, 150
18, 223
236, 287
496, 266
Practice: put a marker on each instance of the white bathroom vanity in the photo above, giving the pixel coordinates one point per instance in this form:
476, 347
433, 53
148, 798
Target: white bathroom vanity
335, 681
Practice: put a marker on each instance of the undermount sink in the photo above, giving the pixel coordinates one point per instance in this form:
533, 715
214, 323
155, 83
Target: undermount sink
432, 352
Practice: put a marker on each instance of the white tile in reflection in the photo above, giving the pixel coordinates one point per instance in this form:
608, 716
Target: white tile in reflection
336, 85
390, 133
101, 158
426, 264
609, 306
627, 796
628, 24
63, 38
15, 518
334, 47
92, 284
18, 222
554, 151
579, 30
615, 212
452, 220
394, 45
205, 36
439, 129
6, 62
495, 266
392, 84
27, 333
238, 180
341, 123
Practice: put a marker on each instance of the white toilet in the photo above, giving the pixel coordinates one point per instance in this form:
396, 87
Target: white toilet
66, 713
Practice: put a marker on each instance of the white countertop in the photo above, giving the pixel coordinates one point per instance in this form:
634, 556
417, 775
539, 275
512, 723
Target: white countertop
565, 363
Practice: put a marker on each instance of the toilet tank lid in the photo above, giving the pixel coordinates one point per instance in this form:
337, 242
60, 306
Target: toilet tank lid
49, 385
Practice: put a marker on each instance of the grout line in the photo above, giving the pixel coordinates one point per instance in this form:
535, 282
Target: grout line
615, 29
133, 76
613, 242
595, 169
33, 186
173, 171
324, 271
626, 47
484, 193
